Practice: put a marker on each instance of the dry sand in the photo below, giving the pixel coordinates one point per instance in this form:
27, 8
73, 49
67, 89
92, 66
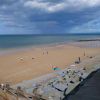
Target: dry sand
34, 62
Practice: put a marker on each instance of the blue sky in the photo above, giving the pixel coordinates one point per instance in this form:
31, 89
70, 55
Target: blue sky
49, 16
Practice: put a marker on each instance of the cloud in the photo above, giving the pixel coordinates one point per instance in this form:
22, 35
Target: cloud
47, 6
68, 5
49, 16
91, 26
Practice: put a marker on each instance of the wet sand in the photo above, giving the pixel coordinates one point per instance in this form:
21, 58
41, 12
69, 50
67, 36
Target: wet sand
33, 62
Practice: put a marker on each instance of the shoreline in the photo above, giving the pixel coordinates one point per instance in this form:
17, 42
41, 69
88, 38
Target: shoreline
25, 48
76, 43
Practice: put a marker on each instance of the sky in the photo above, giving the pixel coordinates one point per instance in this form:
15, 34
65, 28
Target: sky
49, 16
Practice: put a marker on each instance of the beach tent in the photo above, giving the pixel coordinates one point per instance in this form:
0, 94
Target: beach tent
56, 68
58, 71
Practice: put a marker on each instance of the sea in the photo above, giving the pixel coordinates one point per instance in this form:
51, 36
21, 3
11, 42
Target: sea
19, 41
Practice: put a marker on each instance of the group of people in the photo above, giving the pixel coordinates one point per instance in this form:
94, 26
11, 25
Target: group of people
46, 52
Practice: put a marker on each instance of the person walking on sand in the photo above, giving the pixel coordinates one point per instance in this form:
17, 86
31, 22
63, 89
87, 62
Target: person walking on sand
84, 53
43, 53
79, 59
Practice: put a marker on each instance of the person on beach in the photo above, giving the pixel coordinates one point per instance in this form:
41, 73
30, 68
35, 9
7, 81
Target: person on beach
43, 53
21, 59
84, 53
79, 59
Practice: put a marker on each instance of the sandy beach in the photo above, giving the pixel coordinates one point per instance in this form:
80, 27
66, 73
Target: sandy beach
34, 62
32, 70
